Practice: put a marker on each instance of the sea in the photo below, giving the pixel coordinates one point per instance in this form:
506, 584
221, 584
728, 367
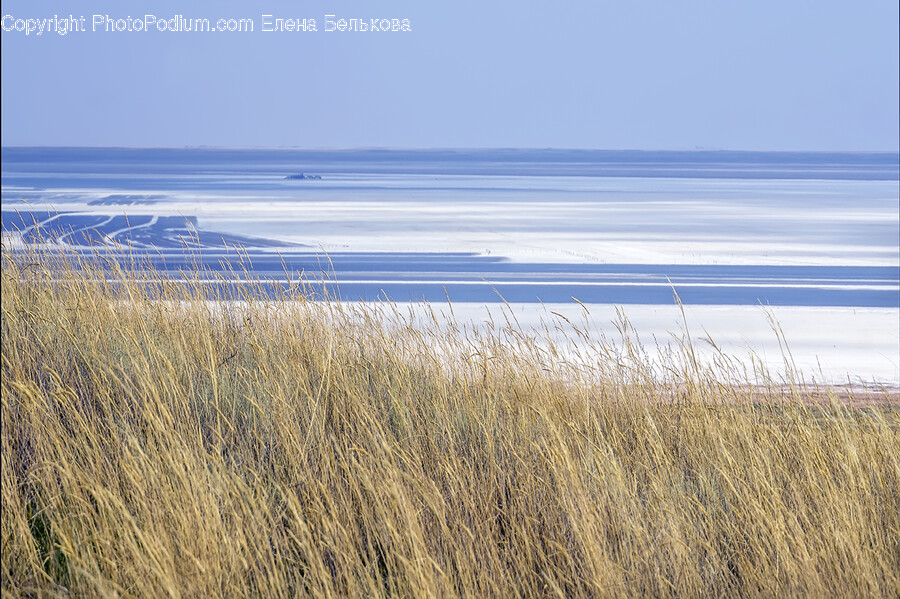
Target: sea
486, 226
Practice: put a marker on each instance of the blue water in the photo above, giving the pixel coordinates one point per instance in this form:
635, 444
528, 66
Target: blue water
21, 165
88, 198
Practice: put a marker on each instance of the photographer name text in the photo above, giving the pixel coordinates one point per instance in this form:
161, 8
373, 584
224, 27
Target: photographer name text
178, 23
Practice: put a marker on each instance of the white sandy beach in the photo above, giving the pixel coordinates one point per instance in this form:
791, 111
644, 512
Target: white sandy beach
858, 346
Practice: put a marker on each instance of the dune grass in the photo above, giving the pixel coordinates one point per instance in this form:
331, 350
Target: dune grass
157, 443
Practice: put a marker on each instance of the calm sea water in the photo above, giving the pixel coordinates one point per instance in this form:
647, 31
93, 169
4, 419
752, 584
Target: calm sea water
806, 229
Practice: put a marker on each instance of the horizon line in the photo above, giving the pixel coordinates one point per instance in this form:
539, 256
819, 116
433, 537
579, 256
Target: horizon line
436, 149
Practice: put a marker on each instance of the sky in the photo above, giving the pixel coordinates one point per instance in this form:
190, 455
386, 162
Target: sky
818, 75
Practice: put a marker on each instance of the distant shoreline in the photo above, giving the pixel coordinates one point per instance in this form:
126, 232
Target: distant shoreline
713, 164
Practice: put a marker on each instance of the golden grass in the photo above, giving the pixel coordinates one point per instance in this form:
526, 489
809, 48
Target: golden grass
156, 443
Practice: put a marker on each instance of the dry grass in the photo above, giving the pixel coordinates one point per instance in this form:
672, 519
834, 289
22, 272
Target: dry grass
156, 443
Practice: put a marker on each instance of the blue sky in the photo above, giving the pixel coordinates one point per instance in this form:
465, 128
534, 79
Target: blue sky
624, 74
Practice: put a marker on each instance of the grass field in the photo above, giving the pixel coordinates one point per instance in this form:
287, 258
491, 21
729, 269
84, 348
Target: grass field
157, 443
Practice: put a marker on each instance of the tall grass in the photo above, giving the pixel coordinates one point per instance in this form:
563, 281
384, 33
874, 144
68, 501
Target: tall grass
157, 443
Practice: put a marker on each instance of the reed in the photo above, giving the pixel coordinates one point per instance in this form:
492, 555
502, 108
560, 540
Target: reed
186, 440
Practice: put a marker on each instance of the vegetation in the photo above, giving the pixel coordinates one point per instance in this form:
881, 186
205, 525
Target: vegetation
158, 443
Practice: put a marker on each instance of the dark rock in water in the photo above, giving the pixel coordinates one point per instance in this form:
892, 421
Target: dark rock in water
303, 177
